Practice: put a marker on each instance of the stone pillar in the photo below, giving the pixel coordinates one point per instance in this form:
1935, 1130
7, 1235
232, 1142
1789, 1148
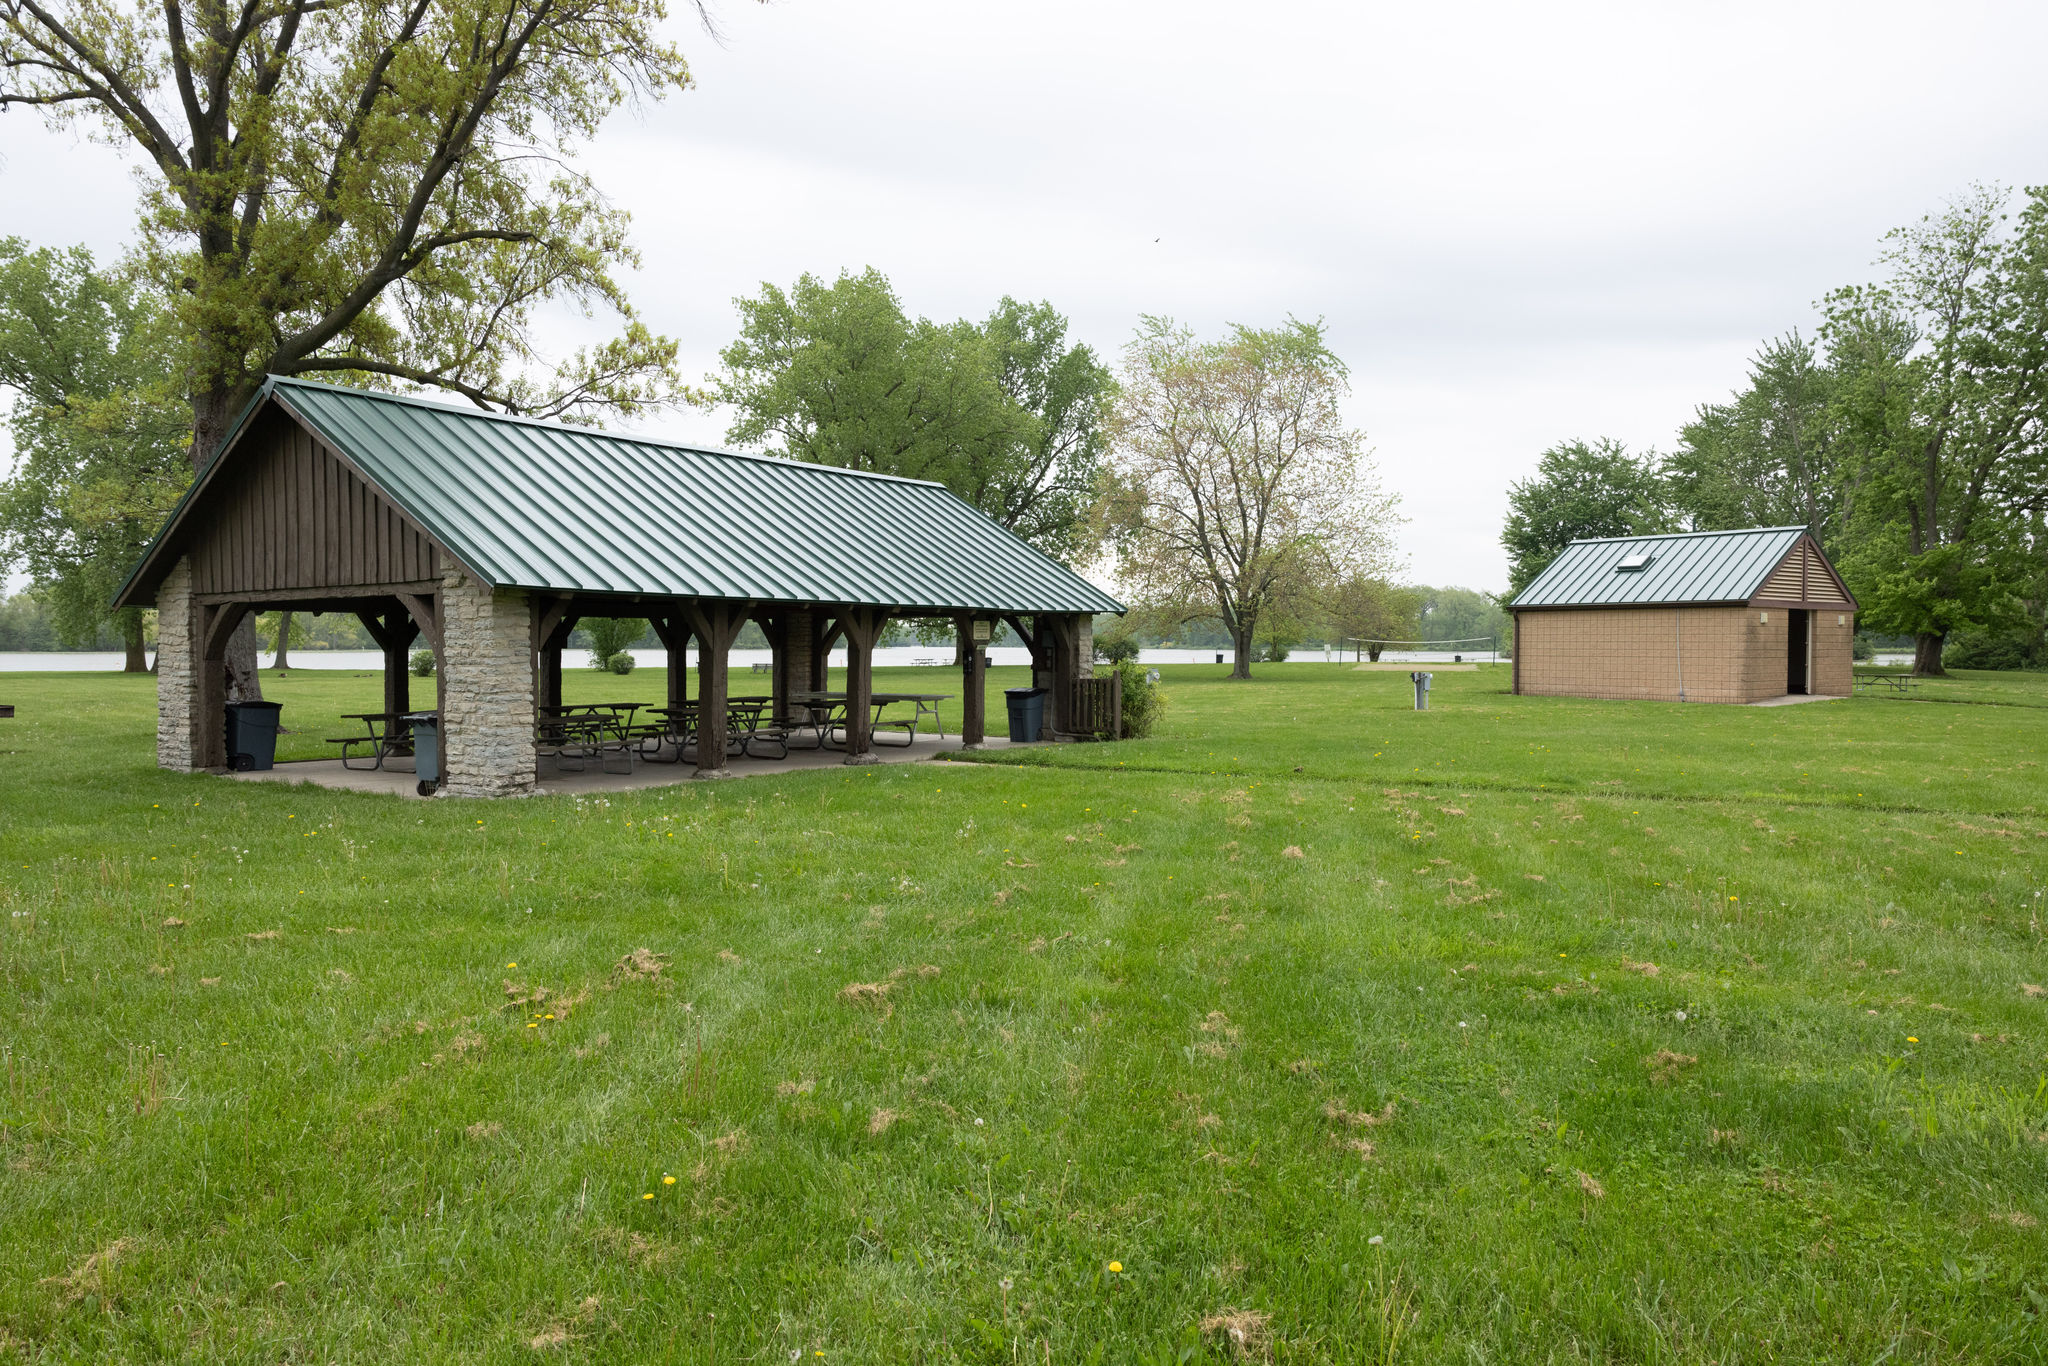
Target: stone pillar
799, 649
177, 691
487, 689
1084, 647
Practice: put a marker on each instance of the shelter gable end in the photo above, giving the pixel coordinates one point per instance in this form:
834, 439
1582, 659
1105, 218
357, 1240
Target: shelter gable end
292, 515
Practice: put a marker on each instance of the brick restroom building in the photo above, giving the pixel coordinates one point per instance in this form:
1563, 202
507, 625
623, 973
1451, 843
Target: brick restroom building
1713, 616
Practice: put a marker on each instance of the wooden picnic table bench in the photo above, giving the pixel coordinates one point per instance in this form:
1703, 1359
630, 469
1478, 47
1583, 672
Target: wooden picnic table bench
1898, 683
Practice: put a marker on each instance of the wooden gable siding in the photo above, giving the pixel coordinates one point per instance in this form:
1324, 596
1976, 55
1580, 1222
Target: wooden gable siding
1802, 577
291, 515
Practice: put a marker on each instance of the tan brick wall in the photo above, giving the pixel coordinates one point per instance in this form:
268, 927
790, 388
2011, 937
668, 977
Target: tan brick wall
1728, 654
1834, 653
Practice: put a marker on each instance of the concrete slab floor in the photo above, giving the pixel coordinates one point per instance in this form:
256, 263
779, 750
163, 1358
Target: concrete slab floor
592, 780
1794, 699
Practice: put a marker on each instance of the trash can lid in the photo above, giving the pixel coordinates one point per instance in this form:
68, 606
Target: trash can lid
418, 716
258, 706
1025, 692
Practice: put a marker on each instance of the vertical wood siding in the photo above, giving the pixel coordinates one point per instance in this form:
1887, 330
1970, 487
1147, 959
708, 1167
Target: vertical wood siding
291, 516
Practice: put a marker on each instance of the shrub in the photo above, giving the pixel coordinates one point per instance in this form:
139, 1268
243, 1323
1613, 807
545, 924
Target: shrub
423, 663
1861, 647
621, 662
1144, 700
610, 635
1978, 650
1118, 647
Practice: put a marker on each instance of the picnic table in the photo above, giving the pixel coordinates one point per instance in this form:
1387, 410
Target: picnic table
826, 711
1898, 683
583, 731
386, 735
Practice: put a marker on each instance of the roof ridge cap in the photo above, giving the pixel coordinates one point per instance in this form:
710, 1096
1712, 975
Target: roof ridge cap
1682, 535
666, 443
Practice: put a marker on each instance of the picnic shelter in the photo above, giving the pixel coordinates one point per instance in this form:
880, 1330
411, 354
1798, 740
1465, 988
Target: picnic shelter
487, 537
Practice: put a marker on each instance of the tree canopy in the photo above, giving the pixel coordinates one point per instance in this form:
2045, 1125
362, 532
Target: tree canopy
1913, 440
381, 188
1580, 491
1236, 487
1005, 412
100, 432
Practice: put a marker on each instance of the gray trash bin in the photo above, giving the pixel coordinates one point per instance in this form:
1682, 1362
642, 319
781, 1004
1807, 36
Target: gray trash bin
1027, 713
426, 748
252, 736
1421, 681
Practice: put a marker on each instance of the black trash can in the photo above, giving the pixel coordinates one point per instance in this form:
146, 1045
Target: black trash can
426, 748
252, 736
1027, 713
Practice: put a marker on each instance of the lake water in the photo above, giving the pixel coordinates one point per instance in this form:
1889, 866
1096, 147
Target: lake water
892, 657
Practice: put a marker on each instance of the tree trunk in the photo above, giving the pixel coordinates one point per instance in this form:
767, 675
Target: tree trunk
284, 640
1927, 654
131, 635
1374, 650
1241, 662
212, 412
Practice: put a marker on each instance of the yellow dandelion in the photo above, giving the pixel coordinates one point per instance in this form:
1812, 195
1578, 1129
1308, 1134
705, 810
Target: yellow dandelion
547, 1017
668, 1180
533, 1024
1116, 1267
1911, 1039
648, 1196
511, 965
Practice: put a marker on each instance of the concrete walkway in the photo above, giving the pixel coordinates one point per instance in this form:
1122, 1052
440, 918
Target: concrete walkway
1794, 699
330, 773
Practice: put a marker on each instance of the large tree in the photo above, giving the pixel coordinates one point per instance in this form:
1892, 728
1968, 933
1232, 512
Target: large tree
1006, 413
1943, 374
1236, 487
1580, 491
1771, 455
366, 188
100, 433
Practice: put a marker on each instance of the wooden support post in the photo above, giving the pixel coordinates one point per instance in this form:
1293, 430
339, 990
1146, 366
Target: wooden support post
425, 610
1066, 673
552, 623
974, 634
716, 625
212, 630
394, 633
862, 627
826, 628
674, 633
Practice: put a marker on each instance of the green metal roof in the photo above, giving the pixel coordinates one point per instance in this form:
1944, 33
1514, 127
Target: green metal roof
1690, 567
530, 504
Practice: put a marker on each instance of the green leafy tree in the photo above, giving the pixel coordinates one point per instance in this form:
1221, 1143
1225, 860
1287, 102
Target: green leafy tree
1370, 609
1462, 614
610, 637
378, 189
1943, 374
1581, 491
1005, 413
99, 430
1236, 488
1770, 456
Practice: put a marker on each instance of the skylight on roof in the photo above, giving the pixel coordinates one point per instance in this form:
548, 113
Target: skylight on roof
1634, 563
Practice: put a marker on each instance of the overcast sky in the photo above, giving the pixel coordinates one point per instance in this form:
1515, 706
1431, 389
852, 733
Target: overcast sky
1522, 223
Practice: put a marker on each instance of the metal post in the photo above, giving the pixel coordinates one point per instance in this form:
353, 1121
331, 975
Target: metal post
1421, 681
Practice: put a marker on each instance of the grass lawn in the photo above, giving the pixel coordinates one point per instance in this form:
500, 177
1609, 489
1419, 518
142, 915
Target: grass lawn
1518, 1030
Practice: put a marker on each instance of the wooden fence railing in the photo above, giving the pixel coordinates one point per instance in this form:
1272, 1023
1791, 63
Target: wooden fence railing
1096, 707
